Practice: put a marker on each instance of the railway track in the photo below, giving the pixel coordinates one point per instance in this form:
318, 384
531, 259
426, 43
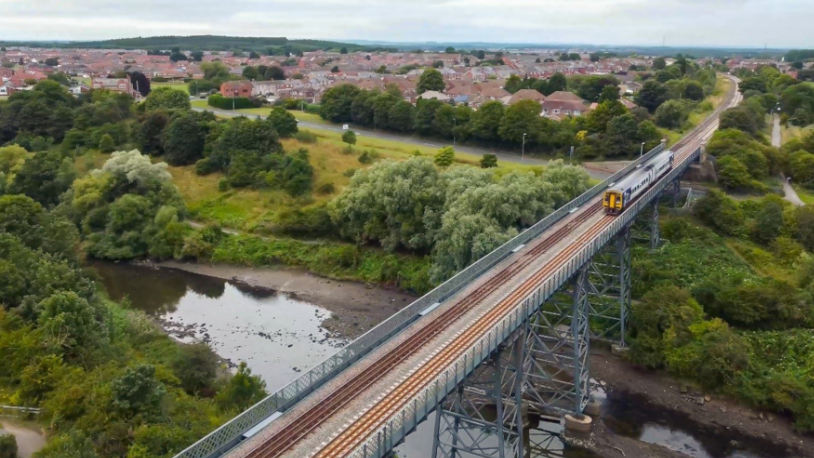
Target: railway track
283, 441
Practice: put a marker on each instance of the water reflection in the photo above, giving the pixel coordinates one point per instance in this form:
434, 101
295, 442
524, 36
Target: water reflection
278, 336
633, 416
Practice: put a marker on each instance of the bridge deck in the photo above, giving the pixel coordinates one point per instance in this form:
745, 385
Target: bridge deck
343, 413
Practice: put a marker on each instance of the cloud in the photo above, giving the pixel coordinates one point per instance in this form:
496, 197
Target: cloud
780, 23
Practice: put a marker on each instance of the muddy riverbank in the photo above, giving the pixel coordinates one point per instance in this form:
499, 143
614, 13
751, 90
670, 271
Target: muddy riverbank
356, 307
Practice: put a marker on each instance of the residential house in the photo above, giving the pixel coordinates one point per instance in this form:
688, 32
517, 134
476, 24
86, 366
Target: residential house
526, 94
236, 89
434, 95
113, 84
563, 103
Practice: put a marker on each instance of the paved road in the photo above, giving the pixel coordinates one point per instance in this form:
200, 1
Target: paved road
503, 156
790, 193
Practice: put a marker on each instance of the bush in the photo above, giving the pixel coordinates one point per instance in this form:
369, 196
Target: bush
224, 103
349, 137
8, 446
106, 144
348, 150
308, 222
365, 158
488, 161
305, 136
326, 188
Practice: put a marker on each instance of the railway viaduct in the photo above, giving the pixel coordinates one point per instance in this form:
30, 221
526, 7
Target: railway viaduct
511, 331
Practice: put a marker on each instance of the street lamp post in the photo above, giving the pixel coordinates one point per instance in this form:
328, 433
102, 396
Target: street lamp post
523, 151
571, 156
641, 152
234, 97
454, 137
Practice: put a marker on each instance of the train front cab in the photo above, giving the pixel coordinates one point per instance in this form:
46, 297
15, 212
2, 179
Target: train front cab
613, 202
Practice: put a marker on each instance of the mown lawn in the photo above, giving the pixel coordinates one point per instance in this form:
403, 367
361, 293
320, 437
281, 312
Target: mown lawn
181, 86
806, 195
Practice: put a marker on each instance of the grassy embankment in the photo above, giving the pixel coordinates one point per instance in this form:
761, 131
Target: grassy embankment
701, 112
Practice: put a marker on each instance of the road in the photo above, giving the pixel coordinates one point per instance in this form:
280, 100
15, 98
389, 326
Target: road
790, 193
502, 156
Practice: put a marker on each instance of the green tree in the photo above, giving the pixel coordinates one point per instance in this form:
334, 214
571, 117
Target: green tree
693, 91
801, 166
721, 212
425, 115
732, 174
335, 69
622, 135
401, 116
349, 137
106, 144
197, 56
253, 55
487, 121
337, 102
597, 120
450, 50
557, 82
149, 132
8, 446
671, 115
430, 80
70, 322
488, 161
284, 122
659, 63
184, 139
752, 84
445, 157
343, 50
166, 98
738, 118
274, 72
652, 95
138, 392
243, 390
609, 92
250, 73
196, 366
768, 222
522, 118
44, 177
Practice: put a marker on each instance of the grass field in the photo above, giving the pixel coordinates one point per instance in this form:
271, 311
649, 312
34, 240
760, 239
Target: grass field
806, 195
789, 132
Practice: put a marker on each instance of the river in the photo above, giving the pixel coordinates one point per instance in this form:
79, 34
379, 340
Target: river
281, 336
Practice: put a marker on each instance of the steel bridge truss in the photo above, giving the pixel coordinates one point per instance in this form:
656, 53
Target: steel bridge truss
543, 369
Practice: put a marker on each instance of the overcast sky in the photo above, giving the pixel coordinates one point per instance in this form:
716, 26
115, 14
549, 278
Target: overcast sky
745, 23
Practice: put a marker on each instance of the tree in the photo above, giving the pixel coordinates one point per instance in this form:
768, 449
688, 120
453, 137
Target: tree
430, 80
487, 121
488, 161
197, 56
738, 118
768, 222
401, 116
349, 137
721, 212
732, 174
622, 135
70, 322
337, 102
609, 93
149, 132
52, 61
445, 157
8, 443
522, 118
450, 50
184, 139
243, 390
557, 82
250, 73
671, 115
138, 391
425, 115
598, 119
275, 73
335, 69
801, 166
106, 144
754, 83
177, 56
693, 91
166, 98
253, 55
284, 122
197, 367
591, 87
659, 63
438, 64
652, 95
44, 177
344, 50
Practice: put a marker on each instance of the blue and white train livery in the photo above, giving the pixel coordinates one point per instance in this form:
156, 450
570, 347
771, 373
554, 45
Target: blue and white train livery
623, 192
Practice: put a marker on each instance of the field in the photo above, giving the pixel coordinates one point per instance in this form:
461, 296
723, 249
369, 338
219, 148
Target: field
806, 195
181, 86
789, 132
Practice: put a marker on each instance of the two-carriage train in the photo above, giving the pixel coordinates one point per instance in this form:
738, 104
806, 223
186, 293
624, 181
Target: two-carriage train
622, 193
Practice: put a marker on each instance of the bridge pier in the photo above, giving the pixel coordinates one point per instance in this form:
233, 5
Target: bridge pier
646, 226
609, 277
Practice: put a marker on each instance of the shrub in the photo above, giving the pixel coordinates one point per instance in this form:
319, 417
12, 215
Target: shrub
8, 446
308, 222
224, 103
349, 137
326, 188
488, 161
106, 144
365, 158
305, 136
349, 173
445, 157
348, 150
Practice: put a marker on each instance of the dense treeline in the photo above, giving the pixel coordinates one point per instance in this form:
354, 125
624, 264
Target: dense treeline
708, 315
773, 89
221, 43
609, 131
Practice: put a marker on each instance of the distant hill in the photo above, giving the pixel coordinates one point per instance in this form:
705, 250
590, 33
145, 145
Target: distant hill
210, 43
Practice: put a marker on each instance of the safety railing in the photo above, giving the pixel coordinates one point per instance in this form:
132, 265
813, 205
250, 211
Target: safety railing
229, 434
414, 412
